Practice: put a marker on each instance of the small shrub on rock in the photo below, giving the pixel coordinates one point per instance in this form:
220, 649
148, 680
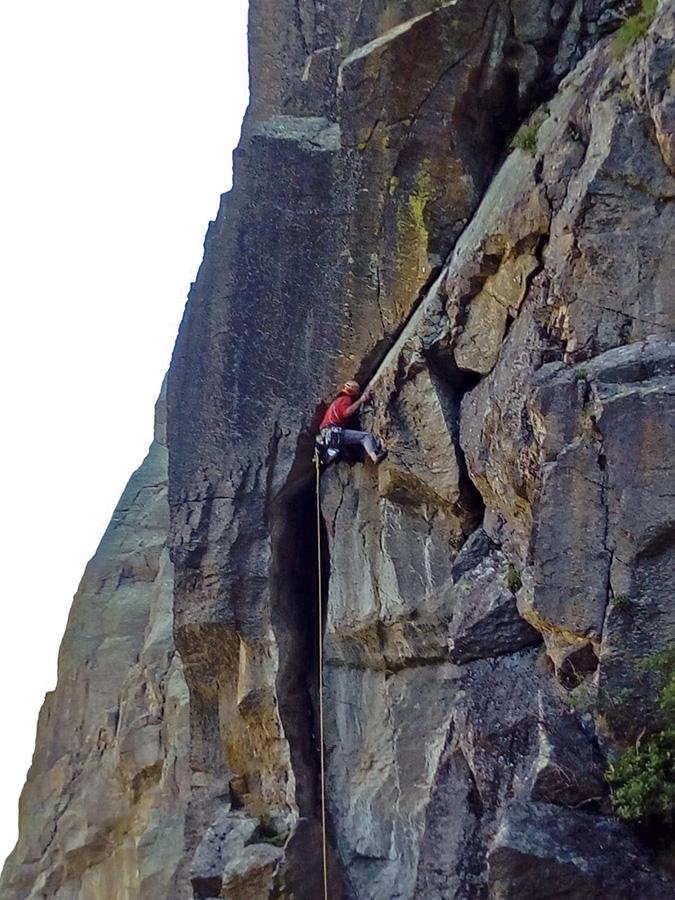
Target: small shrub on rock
642, 779
525, 139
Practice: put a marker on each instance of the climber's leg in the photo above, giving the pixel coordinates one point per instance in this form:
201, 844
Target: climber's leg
366, 440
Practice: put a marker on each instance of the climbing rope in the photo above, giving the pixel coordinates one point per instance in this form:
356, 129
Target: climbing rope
322, 760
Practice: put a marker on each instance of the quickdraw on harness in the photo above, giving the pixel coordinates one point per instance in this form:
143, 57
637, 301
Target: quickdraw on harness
328, 443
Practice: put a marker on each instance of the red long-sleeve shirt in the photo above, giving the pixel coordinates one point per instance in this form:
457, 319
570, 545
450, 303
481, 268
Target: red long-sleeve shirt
336, 414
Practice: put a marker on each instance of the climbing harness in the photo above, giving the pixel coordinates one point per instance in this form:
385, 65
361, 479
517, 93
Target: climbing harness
322, 761
328, 443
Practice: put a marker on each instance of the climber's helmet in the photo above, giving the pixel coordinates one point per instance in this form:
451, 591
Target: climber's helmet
352, 388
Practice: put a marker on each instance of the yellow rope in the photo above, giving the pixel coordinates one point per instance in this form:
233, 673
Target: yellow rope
321, 742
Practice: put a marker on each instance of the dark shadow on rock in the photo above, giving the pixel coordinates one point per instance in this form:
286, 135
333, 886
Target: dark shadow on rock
300, 574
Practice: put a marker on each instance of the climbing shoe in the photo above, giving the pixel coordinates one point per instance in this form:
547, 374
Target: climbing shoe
381, 454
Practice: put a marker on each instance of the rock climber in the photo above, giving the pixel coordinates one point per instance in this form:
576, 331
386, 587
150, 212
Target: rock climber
333, 431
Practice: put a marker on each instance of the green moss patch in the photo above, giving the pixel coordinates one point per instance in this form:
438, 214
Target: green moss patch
634, 28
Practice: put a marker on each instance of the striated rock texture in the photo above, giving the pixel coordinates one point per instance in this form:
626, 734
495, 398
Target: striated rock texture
492, 591
102, 813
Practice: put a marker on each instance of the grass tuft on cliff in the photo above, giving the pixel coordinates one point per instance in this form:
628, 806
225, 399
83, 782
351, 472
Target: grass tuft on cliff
634, 28
526, 139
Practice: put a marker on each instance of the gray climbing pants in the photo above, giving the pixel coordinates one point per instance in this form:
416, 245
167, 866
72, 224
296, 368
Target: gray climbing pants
364, 438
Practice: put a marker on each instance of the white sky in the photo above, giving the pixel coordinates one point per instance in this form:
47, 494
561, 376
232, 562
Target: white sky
118, 123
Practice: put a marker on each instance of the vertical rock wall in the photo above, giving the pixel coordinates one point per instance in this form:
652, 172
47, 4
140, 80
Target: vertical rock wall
557, 299
380, 242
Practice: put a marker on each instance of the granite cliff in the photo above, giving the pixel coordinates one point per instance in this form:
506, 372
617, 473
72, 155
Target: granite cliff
497, 591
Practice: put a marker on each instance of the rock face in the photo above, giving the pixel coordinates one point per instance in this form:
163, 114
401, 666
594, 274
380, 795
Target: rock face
103, 810
491, 592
